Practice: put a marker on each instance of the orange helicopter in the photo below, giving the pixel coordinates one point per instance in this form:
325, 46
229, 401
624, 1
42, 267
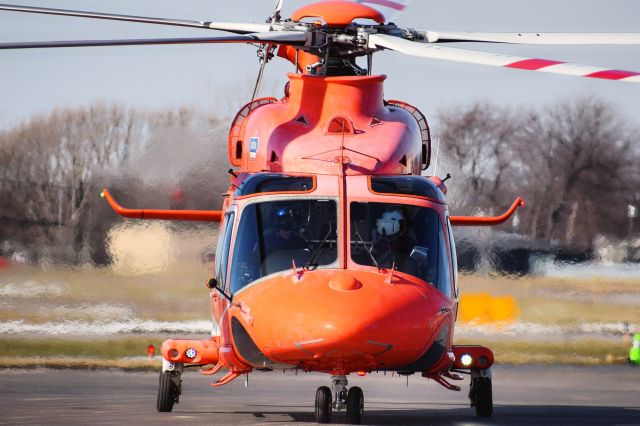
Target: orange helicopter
335, 254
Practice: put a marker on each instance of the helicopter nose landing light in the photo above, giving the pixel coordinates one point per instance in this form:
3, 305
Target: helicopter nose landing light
466, 360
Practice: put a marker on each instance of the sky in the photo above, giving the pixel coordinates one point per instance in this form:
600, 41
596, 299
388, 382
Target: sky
219, 78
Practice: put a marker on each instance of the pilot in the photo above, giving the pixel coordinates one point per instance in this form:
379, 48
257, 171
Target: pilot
397, 245
283, 236
391, 227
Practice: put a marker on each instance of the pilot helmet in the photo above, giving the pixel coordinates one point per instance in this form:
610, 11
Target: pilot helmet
390, 223
283, 218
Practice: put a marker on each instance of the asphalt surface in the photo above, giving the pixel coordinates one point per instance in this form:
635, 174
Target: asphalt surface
531, 395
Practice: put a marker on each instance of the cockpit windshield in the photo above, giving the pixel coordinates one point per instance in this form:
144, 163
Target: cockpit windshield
275, 234
406, 237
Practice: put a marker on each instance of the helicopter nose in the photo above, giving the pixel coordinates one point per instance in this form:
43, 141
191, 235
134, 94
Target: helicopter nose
358, 318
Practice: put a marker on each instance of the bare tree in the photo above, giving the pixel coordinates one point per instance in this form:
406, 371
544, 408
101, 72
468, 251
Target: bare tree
50, 162
478, 143
577, 164
53, 166
582, 173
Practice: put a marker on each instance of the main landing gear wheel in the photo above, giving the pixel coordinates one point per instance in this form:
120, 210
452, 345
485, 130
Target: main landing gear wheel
481, 396
323, 404
168, 391
355, 405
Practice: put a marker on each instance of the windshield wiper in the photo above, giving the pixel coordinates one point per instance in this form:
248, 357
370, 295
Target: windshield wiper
361, 240
318, 251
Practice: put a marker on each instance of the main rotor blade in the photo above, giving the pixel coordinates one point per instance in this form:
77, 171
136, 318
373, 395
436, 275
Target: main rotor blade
278, 8
283, 37
533, 38
434, 51
240, 28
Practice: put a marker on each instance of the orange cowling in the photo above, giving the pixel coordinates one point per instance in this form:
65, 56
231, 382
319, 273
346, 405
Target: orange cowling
297, 136
206, 351
373, 320
486, 220
190, 215
338, 13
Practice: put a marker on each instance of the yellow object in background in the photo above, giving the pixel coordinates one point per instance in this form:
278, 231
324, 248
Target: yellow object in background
483, 308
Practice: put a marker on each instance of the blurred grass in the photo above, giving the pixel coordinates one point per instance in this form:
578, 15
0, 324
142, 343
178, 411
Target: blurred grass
176, 294
80, 363
179, 294
85, 348
580, 352
562, 301
113, 353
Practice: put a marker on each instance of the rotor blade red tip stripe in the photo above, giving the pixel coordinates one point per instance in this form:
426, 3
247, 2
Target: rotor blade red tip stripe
613, 74
386, 3
533, 64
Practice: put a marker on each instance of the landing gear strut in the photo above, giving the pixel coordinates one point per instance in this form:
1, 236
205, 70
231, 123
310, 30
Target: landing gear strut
480, 394
339, 398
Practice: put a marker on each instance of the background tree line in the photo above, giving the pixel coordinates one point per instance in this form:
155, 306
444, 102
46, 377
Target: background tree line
53, 167
576, 163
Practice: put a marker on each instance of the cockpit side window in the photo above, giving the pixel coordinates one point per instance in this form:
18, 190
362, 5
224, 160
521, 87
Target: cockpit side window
275, 235
222, 251
444, 276
454, 257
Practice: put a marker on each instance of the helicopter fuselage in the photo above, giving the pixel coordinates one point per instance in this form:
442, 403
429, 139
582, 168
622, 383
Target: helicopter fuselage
334, 254
337, 157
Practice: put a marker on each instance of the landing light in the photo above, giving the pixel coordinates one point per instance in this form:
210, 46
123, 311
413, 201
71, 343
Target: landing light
191, 353
466, 360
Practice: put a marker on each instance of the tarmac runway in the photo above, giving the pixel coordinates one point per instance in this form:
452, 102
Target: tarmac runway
529, 395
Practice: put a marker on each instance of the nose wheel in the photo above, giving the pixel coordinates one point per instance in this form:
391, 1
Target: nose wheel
168, 391
169, 386
339, 398
481, 394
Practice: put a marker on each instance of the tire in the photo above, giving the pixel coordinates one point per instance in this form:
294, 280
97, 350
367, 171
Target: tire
355, 405
481, 396
323, 405
168, 391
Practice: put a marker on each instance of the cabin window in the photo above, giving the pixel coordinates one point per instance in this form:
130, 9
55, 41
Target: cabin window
222, 252
406, 185
408, 238
275, 182
275, 235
